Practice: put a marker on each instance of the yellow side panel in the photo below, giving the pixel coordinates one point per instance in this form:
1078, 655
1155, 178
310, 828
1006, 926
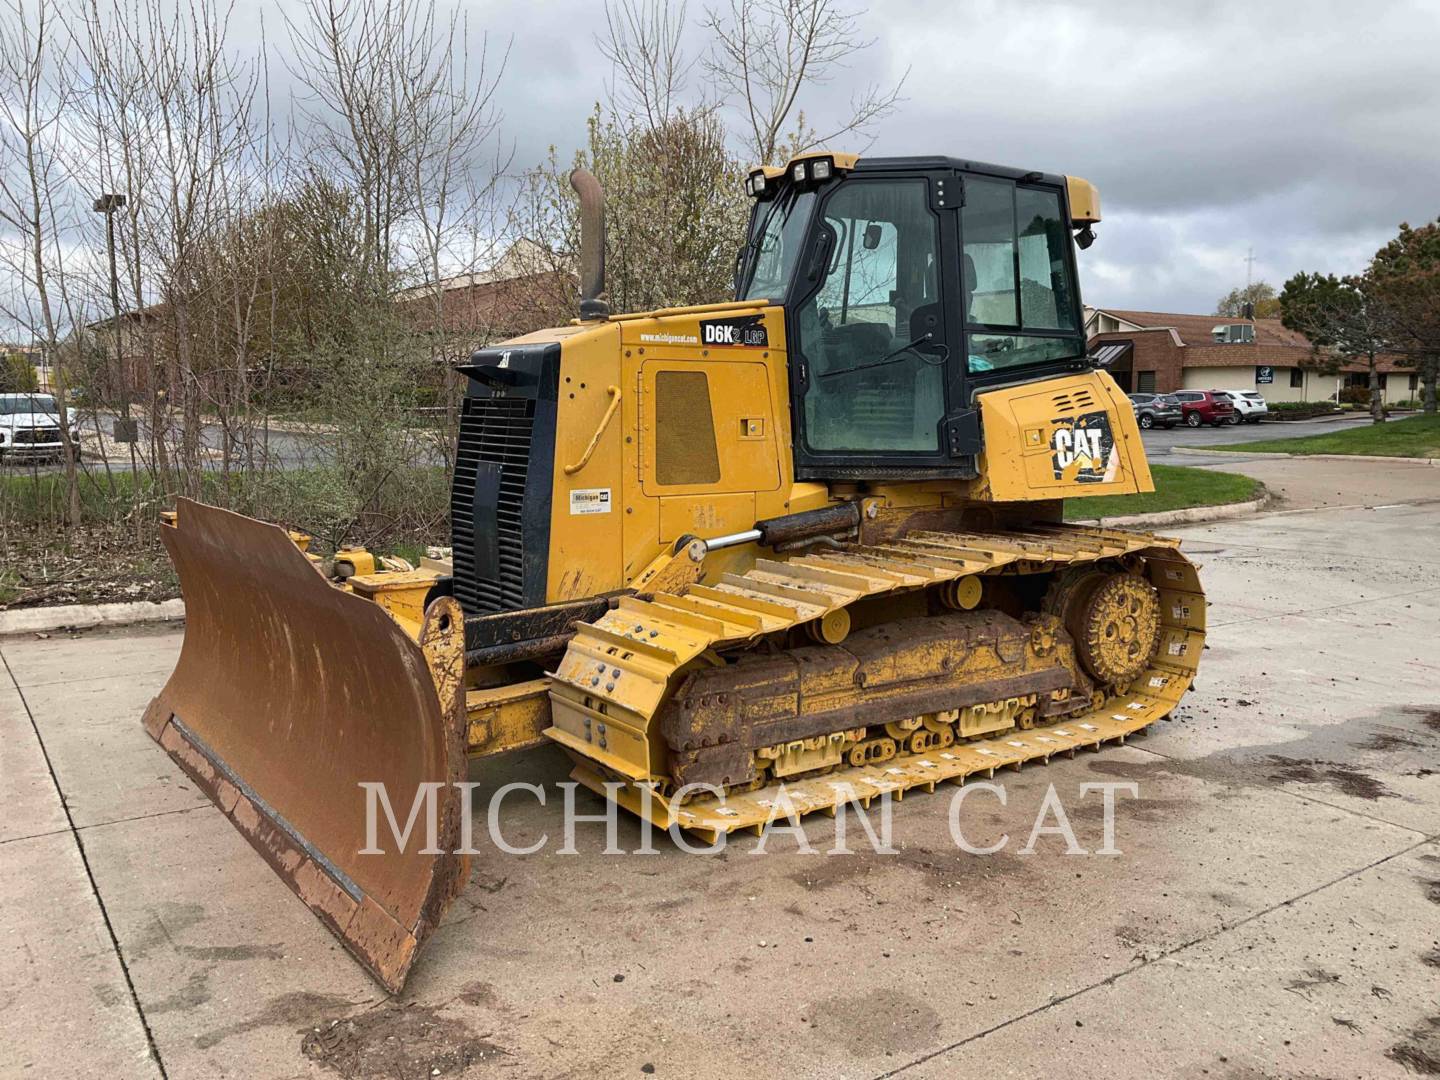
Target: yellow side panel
610, 513
587, 505
713, 515
738, 435
1062, 438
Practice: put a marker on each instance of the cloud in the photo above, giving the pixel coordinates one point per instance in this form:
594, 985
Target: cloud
1305, 130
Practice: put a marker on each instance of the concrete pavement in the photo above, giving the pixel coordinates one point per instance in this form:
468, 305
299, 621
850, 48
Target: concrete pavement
1304, 484
1273, 912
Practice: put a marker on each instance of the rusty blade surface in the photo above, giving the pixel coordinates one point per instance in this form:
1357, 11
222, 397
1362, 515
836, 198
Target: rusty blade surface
291, 693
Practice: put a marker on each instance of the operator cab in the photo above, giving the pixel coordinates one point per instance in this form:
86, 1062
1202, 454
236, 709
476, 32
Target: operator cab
911, 285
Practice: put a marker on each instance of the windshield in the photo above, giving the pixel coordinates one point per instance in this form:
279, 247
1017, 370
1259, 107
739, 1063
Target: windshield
19, 404
774, 246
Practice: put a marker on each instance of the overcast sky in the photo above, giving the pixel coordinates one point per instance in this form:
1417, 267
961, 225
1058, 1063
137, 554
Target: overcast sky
1304, 129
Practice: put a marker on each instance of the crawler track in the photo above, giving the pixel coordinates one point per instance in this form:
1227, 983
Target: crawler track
620, 670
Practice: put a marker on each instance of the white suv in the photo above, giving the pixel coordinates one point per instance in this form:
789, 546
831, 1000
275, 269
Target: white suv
30, 426
1250, 407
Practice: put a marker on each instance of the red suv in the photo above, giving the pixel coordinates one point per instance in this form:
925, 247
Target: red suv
1203, 407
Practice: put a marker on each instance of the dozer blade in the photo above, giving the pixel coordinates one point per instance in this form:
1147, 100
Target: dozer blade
289, 695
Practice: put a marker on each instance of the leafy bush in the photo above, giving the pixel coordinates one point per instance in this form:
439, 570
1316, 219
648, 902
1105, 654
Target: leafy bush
17, 375
1355, 395
1299, 410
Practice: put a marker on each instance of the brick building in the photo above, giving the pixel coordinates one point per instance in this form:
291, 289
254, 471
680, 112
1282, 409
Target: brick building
1164, 351
528, 287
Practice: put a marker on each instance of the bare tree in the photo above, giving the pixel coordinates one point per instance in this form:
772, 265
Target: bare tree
36, 94
400, 106
642, 42
766, 53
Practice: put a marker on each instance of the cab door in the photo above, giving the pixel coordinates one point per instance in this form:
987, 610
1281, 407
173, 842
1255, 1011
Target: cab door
871, 334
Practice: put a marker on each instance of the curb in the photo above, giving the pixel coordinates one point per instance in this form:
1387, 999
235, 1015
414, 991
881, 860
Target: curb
1191, 515
38, 619
1196, 451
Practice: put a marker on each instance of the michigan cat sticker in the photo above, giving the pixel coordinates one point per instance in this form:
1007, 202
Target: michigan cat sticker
1082, 449
590, 501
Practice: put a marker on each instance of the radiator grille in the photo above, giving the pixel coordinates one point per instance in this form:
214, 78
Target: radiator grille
684, 429
37, 436
498, 431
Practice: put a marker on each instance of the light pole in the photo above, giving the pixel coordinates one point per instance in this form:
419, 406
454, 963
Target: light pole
108, 203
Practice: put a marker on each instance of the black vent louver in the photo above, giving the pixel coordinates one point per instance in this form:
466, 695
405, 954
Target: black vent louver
492, 462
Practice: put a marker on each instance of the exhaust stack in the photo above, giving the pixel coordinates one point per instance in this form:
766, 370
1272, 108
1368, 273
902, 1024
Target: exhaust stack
592, 244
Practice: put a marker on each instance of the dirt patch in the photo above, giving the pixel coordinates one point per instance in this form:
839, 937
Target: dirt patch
87, 565
1432, 891
1385, 741
881, 1018
1311, 980
1346, 779
284, 1010
1128, 807
398, 1042
1431, 958
1129, 936
1420, 1052
1429, 717
480, 995
944, 869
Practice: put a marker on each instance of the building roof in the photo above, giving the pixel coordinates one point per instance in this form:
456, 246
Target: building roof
1199, 329
1275, 344
134, 315
524, 258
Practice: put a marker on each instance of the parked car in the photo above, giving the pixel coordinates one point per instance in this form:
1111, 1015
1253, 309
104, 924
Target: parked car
1156, 410
30, 426
1250, 407
1204, 407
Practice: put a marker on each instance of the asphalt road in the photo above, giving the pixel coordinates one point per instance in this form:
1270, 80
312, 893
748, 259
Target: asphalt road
1159, 442
1272, 911
288, 447
295, 449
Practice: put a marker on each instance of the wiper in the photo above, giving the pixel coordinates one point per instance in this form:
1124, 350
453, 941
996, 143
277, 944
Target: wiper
889, 358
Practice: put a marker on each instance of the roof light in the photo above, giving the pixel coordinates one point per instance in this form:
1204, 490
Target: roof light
820, 169
797, 172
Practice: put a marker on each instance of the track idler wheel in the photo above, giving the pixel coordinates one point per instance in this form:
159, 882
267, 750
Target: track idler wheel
1114, 619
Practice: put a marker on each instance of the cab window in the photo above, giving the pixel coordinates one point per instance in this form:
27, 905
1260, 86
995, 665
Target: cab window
871, 334
1018, 289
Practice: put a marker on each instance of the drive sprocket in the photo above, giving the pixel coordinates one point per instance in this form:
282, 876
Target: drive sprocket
1114, 617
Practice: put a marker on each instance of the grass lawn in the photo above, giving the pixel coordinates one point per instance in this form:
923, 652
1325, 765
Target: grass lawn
1176, 488
1415, 436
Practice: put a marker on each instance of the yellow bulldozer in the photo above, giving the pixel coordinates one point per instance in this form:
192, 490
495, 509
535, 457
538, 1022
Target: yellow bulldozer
795, 549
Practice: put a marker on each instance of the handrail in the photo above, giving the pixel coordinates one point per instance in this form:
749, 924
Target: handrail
614, 392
